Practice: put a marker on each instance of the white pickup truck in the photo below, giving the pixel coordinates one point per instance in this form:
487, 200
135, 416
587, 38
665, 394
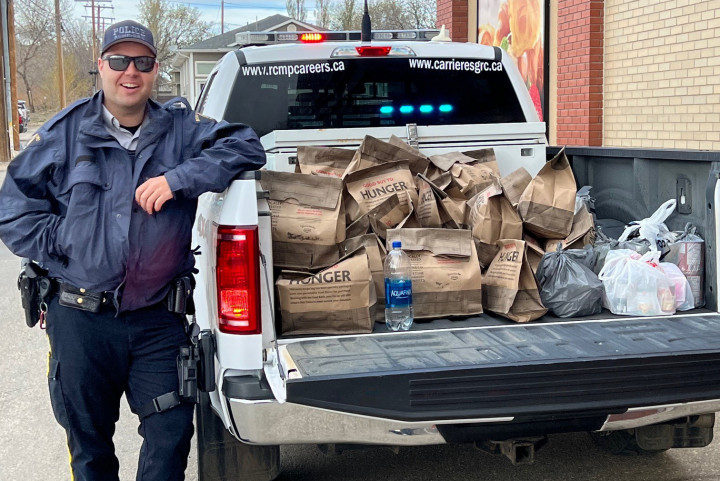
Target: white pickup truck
636, 384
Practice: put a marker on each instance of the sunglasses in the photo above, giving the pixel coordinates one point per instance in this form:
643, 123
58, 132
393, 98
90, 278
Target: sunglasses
120, 63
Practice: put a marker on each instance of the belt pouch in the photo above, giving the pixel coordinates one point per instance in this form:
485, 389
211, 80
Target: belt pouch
71, 296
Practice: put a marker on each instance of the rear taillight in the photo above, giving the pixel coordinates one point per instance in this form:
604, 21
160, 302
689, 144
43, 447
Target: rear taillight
238, 280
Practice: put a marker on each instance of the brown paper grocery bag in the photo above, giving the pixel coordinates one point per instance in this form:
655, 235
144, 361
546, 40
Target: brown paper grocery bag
410, 221
533, 250
446, 161
455, 205
491, 217
485, 157
431, 211
324, 161
581, 234
515, 183
511, 289
398, 142
370, 187
376, 253
374, 152
547, 205
337, 300
472, 179
446, 278
307, 219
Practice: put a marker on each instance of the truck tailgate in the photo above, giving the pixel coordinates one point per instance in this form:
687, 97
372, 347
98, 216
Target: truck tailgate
506, 371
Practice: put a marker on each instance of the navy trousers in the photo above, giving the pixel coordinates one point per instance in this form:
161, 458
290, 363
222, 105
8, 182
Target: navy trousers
93, 360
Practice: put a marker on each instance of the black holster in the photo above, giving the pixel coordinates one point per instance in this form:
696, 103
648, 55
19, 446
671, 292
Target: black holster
34, 286
179, 298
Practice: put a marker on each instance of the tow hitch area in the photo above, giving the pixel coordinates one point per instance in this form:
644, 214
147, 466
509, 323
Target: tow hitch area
518, 451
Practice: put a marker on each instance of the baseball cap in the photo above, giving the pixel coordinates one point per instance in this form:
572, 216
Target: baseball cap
128, 31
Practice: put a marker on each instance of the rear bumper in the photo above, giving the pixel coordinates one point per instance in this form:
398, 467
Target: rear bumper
268, 422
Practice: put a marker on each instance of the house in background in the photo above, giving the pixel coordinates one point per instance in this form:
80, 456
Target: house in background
193, 64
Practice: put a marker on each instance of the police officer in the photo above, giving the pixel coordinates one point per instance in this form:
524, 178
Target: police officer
104, 197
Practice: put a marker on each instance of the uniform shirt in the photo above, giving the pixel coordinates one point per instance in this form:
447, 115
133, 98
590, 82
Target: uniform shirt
68, 199
126, 138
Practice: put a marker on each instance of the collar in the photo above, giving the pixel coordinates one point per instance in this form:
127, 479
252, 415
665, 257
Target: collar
93, 121
111, 122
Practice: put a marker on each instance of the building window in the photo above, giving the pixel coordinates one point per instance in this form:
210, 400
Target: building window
204, 68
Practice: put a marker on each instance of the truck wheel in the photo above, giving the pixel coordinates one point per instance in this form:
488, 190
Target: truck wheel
221, 457
622, 442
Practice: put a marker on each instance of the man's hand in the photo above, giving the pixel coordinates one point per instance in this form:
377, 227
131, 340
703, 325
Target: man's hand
153, 193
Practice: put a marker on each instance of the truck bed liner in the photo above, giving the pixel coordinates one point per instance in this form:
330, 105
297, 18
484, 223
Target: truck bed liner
511, 370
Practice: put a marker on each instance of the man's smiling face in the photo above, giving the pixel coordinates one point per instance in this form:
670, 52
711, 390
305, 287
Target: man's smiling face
127, 91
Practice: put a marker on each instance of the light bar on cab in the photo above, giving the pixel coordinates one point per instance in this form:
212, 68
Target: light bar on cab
268, 38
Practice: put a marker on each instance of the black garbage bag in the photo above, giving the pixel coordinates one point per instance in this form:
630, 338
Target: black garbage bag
568, 288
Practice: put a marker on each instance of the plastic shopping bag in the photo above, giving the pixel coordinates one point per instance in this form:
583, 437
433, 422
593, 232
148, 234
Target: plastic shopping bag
653, 228
604, 244
569, 288
688, 253
684, 299
634, 286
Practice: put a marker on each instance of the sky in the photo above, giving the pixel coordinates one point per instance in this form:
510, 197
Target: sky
237, 12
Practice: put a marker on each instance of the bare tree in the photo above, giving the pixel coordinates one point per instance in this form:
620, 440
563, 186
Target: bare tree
322, 13
385, 14
296, 9
346, 15
172, 25
34, 31
78, 58
421, 13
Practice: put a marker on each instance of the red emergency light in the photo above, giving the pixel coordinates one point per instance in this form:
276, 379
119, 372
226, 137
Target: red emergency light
313, 37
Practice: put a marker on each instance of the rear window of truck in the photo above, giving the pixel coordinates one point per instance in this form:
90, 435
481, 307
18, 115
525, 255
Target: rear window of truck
372, 92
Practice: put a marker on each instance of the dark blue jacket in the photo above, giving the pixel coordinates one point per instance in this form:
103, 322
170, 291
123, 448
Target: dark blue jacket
68, 198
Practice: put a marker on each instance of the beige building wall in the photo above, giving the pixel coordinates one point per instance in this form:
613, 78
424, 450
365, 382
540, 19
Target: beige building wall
662, 74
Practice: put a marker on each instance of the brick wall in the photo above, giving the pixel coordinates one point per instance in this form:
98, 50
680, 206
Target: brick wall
580, 72
454, 15
662, 74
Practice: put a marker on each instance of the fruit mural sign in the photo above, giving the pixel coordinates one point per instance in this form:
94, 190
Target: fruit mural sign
518, 27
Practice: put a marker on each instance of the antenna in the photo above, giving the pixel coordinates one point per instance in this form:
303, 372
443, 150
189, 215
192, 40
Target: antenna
366, 32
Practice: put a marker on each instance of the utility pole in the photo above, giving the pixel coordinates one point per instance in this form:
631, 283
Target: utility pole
4, 107
61, 72
98, 25
222, 17
13, 75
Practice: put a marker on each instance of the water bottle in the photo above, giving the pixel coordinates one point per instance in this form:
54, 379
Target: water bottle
398, 289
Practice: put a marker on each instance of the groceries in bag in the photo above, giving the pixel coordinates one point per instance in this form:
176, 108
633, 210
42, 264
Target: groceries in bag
491, 217
510, 287
308, 220
687, 252
324, 161
568, 287
635, 286
684, 300
547, 205
446, 277
337, 300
